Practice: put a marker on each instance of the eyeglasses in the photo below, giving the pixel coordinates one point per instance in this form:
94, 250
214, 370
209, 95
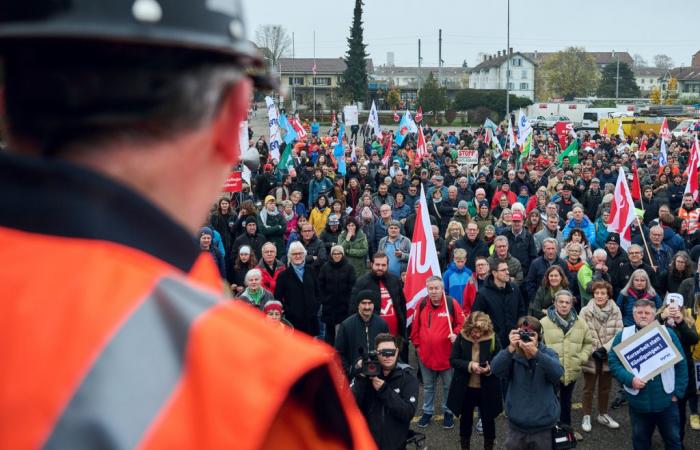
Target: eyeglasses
336, 253
505, 269
387, 352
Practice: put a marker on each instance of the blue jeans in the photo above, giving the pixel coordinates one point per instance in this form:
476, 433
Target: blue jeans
430, 378
668, 422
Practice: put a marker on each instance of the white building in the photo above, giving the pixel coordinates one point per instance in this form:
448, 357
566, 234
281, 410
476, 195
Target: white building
491, 74
648, 78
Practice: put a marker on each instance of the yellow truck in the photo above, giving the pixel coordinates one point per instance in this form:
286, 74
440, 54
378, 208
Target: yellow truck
631, 126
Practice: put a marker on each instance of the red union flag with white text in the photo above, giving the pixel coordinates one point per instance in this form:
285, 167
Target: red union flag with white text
422, 262
622, 212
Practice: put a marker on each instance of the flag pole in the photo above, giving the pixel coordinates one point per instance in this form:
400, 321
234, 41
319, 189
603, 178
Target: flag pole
644, 239
447, 310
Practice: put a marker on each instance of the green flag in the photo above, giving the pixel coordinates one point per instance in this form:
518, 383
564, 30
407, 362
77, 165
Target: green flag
526, 147
286, 161
571, 151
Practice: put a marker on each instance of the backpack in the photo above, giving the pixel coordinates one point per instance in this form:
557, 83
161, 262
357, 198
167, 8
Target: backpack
450, 307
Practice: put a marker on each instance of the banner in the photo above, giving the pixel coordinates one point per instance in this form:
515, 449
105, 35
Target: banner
273, 121
563, 129
234, 182
351, 115
465, 156
373, 120
648, 352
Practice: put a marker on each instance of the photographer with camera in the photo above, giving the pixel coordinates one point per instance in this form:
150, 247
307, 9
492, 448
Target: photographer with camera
386, 393
356, 333
532, 372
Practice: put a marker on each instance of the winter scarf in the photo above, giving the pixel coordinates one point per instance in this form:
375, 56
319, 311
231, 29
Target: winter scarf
299, 270
264, 213
565, 323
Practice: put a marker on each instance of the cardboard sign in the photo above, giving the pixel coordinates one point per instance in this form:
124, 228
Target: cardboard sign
648, 352
465, 157
351, 115
234, 182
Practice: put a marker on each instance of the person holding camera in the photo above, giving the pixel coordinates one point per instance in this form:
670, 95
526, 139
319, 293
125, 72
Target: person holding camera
569, 337
357, 332
473, 384
604, 321
532, 372
386, 392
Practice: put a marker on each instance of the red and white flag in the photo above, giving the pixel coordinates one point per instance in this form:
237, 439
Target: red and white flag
665, 132
636, 187
421, 148
387, 149
622, 212
691, 158
692, 184
298, 127
419, 115
423, 260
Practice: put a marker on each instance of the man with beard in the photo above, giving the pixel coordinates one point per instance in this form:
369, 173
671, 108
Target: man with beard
389, 300
472, 244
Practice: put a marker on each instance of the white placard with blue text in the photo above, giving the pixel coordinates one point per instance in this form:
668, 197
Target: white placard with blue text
648, 352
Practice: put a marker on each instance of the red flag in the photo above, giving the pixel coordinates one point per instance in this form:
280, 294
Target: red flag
692, 184
665, 132
419, 115
387, 149
643, 146
636, 188
423, 260
421, 148
693, 151
605, 130
396, 117
298, 127
622, 211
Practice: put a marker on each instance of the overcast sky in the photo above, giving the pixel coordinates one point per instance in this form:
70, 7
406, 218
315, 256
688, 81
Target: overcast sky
470, 27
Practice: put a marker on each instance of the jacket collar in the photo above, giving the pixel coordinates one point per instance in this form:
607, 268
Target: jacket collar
55, 197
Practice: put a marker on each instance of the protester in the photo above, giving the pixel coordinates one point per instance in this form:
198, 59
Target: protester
272, 225
501, 254
206, 246
354, 243
638, 287
297, 288
269, 266
254, 293
336, 279
242, 264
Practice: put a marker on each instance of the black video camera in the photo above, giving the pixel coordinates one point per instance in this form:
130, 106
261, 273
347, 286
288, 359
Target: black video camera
370, 365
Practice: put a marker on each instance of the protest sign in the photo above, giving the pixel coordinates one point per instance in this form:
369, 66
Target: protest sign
234, 182
465, 157
351, 115
673, 297
648, 352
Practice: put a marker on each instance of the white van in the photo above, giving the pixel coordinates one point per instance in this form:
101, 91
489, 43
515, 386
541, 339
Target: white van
592, 116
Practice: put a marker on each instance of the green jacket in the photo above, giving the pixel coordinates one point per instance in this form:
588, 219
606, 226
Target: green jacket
356, 251
573, 348
584, 277
273, 231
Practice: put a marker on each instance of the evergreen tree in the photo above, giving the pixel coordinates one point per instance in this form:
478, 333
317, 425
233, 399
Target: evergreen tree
432, 97
627, 85
355, 76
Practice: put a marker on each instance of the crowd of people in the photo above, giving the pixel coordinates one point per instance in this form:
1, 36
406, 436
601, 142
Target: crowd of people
524, 247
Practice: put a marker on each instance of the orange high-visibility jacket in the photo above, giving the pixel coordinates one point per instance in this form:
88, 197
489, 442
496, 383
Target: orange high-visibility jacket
114, 334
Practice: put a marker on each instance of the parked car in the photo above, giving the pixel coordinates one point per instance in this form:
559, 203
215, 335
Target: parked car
686, 126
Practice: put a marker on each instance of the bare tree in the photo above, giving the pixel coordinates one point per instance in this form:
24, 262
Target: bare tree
639, 61
274, 42
663, 61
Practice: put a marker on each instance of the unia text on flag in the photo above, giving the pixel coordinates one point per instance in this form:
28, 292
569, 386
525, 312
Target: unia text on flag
421, 148
692, 184
422, 261
273, 122
664, 132
622, 212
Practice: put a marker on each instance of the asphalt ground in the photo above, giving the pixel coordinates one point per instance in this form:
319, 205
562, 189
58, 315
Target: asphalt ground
600, 436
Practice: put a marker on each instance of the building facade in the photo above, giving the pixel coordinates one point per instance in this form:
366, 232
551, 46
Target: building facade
492, 73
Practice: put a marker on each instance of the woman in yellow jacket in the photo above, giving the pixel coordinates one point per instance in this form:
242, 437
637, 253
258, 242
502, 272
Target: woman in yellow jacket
319, 215
570, 337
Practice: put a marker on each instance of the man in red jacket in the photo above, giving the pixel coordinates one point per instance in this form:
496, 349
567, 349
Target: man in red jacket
435, 328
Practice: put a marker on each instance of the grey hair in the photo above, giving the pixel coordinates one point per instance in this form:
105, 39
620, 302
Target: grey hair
296, 245
250, 273
550, 240
562, 293
500, 238
643, 303
338, 248
643, 273
268, 244
434, 278
600, 253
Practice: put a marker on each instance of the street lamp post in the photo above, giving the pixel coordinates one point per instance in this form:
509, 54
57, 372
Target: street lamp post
508, 62
617, 76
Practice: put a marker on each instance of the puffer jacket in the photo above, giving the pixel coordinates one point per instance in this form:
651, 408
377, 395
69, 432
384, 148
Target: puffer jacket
586, 225
574, 348
356, 251
603, 324
455, 280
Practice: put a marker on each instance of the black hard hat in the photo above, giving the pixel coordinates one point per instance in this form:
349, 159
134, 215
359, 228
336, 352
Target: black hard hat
214, 26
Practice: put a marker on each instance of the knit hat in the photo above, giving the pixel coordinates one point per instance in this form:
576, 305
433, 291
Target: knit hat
613, 237
250, 219
483, 203
366, 294
463, 204
244, 250
273, 305
206, 230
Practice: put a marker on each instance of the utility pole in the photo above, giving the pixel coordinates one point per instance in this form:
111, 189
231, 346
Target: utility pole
294, 80
313, 78
617, 76
508, 63
440, 57
420, 59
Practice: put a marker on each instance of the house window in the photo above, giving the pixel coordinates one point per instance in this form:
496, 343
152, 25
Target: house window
517, 62
523, 75
510, 86
641, 81
296, 81
523, 86
322, 81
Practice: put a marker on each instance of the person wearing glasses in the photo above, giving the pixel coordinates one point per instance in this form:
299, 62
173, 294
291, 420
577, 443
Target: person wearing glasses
298, 290
388, 400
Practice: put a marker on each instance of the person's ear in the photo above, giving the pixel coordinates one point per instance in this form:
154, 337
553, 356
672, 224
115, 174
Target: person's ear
233, 111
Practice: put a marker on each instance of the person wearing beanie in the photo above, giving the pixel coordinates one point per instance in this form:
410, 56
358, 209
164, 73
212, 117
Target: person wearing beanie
356, 334
251, 237
205, 245
462, 214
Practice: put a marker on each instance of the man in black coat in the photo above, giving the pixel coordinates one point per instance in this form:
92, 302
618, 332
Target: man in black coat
251, 238
387, 291
635, 260
472, 244
520, 242
387, 401
297, 289
357, 333
501, 300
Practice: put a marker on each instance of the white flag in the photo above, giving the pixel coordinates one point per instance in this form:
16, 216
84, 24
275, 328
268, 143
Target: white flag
524, 127
373, 120
275, 136
622, 211
412, 127
510, 139
620, 130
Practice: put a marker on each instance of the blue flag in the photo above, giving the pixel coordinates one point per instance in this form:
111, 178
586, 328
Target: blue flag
407, 125
339, 149
285, 125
